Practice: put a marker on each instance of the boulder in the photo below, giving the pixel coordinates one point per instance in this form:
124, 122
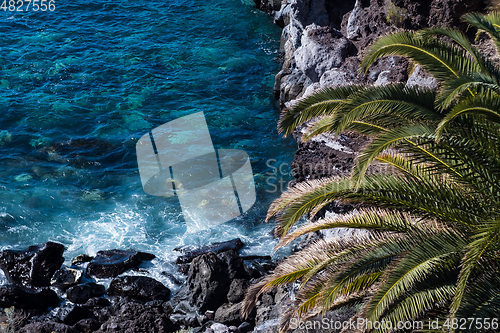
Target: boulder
268, 6
282, 16
111, 263
21, 297
83, 292
33, 266
139, 287
207, 284
190, 253
229, 314
47, 327
66, 277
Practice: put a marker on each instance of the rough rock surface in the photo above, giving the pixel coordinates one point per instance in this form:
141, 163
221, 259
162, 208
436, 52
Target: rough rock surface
111, 263
207, 283
321, 49
228, 314
48, 327
33, 266
131, 317
139, 287
237, 290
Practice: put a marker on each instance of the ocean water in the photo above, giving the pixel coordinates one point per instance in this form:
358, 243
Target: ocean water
81, 84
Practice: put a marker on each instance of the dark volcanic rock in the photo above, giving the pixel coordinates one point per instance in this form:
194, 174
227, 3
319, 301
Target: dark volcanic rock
228, 314
190, 254
83, 292
207, 283
66, 277
237, 290
47, 327
132, 317
139, 287
257, 266
112, 263
21, 297
33, 266
234, 264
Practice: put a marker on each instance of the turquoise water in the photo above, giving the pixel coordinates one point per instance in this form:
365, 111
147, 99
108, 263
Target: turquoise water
104, 73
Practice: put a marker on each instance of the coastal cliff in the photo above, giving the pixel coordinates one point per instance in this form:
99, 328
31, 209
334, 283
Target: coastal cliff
322, 44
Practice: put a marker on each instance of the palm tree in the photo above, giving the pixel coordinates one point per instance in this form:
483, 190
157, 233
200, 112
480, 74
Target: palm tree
434, 223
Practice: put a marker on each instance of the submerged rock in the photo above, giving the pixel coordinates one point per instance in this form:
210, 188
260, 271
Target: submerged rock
21, 297
139, 287
112, 263
33, 266
79, 153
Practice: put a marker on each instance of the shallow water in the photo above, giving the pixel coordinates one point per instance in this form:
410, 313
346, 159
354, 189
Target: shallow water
103, 74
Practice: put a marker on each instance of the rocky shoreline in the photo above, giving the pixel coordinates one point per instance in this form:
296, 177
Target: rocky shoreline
42, 295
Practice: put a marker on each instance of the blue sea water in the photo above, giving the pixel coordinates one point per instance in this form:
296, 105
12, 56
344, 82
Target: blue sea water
104, 73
